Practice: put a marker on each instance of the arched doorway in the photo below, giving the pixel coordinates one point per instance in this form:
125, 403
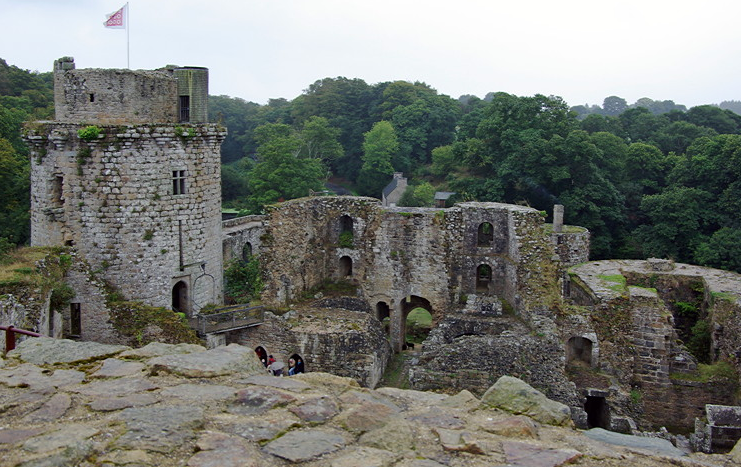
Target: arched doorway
407, 306
345, 266
298, 362
180, 300
418, 326
485, 235
483, 278
247, 251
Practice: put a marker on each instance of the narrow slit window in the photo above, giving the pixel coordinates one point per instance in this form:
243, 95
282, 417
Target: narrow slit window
178, 182
92, 97
75, 320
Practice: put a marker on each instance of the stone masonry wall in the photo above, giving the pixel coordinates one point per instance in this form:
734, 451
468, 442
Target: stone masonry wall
116, 96
240, 232
114, 199
342, 342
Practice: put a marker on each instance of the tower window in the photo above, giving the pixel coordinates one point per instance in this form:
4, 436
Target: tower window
184, 108
75, 320
92, 97
178, 182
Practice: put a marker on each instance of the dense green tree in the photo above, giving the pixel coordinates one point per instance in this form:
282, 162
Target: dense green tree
722, 121
14, 194
379, 148
320, 141
722, 250
241, 118
640, 124
678, 217
422, 195
614, 106
279, 174
348, 105
444, 160
678, 136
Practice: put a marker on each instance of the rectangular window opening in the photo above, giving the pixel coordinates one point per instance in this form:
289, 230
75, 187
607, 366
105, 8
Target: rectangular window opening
75, 320
57, 190
184, 108
178, 182
92, 97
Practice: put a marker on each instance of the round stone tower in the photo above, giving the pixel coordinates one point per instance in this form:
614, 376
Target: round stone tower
132, 180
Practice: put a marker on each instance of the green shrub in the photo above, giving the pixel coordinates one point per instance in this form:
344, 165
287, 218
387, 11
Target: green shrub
243, 280
89, 133
346, 239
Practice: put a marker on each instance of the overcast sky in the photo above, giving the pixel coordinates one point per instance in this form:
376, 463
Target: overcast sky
581, 50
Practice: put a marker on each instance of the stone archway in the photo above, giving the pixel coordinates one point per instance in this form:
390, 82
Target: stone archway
345, 267
399, 317
180, 301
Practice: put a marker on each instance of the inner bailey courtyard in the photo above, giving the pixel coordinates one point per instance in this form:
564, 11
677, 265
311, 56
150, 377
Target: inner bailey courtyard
127, 178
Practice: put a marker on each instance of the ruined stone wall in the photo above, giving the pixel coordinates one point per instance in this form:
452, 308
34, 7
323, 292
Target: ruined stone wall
344, 343
300, 247
677, 405
95, 315
114, 199
242, 232
118, 96
572, 247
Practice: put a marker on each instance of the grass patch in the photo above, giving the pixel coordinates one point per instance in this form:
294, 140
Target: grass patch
723, 296
616, 282
719, 371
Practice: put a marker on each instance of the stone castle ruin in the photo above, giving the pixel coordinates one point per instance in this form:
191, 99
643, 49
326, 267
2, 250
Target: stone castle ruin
128, 175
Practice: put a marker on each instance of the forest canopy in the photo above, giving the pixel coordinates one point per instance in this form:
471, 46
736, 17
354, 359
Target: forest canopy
648, 179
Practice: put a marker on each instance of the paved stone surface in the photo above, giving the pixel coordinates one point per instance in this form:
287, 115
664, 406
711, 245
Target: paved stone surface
200, 392
48, 351
110, 404
366, 457
54, 408
314, 420
17, 436
211, 363
255, 399
64, 436
290, 384
656, 445
316, 410
299, 446
264, 428
160, 429
115, 368
516, 396
29, 375
158, 349
114, 387
224, 450
528, 455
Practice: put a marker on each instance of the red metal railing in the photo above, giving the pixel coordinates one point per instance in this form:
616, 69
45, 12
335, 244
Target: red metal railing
10, 332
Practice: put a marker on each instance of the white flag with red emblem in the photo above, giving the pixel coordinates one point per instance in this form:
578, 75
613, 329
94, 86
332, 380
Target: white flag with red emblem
117, 19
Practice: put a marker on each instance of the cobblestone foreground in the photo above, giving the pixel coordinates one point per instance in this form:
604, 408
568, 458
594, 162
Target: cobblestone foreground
64, 403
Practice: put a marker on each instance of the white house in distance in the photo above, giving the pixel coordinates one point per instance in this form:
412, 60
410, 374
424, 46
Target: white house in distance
393, 191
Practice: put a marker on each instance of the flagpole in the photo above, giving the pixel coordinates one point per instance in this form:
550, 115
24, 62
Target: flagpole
128, 28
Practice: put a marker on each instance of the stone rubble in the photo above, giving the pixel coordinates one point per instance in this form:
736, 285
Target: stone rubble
129, 408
